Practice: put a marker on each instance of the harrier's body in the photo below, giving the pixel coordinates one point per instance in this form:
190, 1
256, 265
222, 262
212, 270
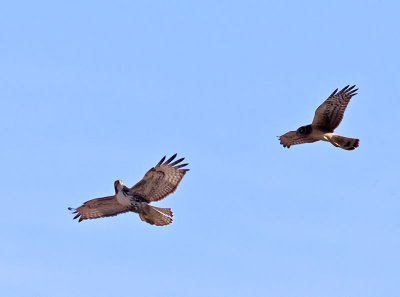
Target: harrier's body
327, 118
158, 183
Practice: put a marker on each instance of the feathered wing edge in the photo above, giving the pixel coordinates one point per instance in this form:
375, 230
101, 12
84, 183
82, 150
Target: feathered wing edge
99, 208
161, 180
291, 138
347, 89
159, 164
329, 114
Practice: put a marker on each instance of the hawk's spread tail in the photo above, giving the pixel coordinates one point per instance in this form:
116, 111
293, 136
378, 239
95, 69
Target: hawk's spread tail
344, 142
156, 215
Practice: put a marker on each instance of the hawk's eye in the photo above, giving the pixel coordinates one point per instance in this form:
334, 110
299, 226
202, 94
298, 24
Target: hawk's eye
301, 130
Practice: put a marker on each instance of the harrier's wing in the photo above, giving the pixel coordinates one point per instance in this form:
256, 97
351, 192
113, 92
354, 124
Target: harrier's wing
291, 138
99, 208
330, 113
161, 180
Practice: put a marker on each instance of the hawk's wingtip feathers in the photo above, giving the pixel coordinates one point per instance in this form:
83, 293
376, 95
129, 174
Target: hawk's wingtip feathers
170, 159
181, 165
177, 161
161, 161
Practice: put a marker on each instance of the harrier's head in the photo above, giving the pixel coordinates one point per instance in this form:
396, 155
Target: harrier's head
304, 130
118, 186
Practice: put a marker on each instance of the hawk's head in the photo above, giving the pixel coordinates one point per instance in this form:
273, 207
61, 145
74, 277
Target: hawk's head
118, 186
304, 130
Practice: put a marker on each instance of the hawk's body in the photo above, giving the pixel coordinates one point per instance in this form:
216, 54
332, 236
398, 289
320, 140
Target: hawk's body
327, 118
158, 183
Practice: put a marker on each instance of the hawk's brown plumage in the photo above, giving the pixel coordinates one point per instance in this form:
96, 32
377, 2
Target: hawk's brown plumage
158, 183
161, 180
327, 118
99, 208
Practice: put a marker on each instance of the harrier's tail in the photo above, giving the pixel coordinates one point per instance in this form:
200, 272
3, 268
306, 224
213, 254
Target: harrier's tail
344, 142
156, 215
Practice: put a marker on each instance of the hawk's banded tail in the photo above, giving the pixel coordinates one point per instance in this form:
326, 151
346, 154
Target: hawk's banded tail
156, 215
344, 142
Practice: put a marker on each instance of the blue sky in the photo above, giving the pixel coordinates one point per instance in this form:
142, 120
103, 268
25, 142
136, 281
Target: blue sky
96, 91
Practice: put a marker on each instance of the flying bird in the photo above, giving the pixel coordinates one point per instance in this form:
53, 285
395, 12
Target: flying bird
327, 118
158, 183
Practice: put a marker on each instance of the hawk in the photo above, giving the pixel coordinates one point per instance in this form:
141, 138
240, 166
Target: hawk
158, 183
327, 118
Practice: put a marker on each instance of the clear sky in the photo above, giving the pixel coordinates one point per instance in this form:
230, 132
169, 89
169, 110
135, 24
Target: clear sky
94, 91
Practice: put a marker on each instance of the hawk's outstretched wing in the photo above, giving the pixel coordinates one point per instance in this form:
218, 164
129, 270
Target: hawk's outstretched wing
330, 113
161, 180
99, 208
291, 138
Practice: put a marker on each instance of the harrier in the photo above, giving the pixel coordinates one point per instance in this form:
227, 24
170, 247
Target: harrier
158, 183
327, 118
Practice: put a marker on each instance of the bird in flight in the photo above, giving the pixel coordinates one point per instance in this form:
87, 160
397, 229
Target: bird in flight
158, 183
327, 118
